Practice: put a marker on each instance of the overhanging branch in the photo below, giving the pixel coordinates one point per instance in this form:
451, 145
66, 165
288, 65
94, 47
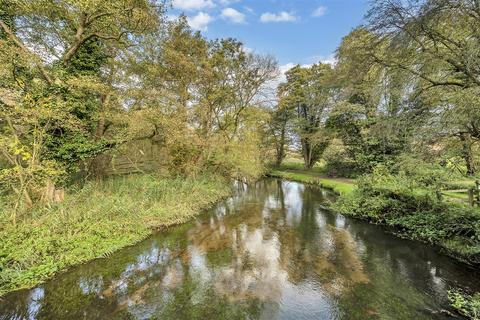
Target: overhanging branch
20, 44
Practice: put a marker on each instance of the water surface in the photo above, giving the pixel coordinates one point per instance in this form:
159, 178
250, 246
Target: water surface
269, 252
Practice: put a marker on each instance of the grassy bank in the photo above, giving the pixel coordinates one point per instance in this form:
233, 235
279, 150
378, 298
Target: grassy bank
403, 203
416, 211
336, 185
97, 220
294, 171
412, 209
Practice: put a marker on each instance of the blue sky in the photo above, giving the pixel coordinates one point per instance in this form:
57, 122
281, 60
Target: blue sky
295, 32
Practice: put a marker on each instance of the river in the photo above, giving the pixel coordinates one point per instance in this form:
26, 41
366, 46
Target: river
271, 251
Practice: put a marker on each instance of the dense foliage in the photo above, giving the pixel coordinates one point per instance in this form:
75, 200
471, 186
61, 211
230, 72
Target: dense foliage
406, 82
467, 305
103, 217
411, 203
398, 109
83, 81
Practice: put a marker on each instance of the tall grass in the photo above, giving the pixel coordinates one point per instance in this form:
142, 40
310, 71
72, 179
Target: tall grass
96, 220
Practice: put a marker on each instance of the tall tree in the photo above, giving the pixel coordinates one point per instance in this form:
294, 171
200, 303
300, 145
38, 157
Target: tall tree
278, 128
307, 92
436, 42
370, 113
53, 55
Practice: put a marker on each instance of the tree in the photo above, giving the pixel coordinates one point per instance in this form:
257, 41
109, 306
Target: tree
370, 114
52, 58
278, 132
201, 100
308, 94
436, 43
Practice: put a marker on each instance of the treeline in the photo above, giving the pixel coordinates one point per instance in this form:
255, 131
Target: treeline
405, 83
400, 112
81, 80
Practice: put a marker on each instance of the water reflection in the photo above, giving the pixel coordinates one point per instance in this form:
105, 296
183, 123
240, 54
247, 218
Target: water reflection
270, 252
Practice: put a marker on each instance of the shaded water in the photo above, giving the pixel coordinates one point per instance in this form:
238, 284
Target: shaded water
270, 252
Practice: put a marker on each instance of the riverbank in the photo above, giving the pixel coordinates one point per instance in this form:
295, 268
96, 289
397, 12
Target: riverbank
97, 220
340, 186
272, 239
415, 214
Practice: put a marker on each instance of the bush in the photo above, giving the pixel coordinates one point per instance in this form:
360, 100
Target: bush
338, 162
410, 203
466, 305
424, 173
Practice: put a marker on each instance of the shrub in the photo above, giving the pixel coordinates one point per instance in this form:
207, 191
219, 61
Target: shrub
409, 202
466, 305
338, 161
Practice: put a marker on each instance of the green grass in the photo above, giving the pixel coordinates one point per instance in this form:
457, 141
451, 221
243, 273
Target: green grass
296, 164
458, 185
465, 304
295, 172
456, 195
97, 220
465, 183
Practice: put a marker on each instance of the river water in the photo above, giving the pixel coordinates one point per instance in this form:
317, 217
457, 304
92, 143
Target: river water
270, 252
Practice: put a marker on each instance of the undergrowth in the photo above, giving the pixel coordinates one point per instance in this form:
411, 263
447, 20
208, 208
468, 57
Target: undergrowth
416, 209
466, 305
97, 220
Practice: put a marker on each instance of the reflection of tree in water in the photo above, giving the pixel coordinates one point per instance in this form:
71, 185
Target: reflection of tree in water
239, 262
396, 264
339, 269
314, 250
191, 301
252, 256
250, 268
26, 306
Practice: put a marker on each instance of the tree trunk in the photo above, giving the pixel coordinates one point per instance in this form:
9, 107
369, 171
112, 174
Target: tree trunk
79, 40
100, 130
307, 154
467, 154
280, 149
97, 165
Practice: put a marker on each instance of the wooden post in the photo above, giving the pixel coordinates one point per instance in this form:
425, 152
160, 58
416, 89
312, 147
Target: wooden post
477, 192
470, 198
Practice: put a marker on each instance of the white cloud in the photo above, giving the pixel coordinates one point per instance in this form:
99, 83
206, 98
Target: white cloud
249, 9
200, 21
278, 17
327, 59
248, 49
282, 77
284, 68
228, 2
320, 11
192, 4
233, 15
